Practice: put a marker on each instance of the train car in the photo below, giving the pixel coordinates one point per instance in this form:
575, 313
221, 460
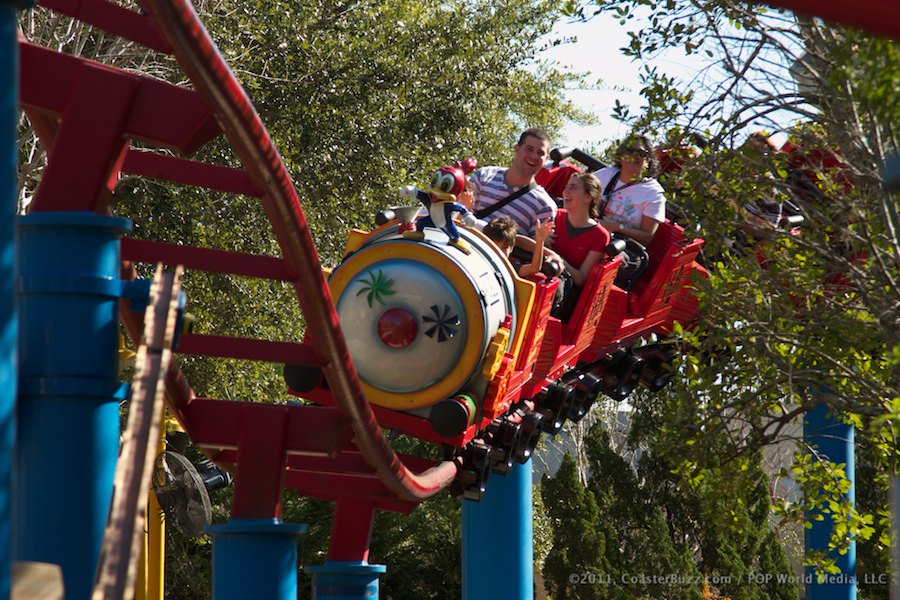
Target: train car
454, 348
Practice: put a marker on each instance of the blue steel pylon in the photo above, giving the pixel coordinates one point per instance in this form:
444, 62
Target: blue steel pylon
832, 440
9, 331
498, 540
8, 320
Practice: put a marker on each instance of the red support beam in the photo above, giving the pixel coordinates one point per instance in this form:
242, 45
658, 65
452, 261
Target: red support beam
259, 475
114, 19
89, 142
351, 530
162, 113
333, 485
311, 430
189, 172
330, 478
205, 259
248, 349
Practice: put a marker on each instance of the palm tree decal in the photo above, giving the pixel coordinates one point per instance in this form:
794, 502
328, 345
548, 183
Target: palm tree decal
444, 323
376, 286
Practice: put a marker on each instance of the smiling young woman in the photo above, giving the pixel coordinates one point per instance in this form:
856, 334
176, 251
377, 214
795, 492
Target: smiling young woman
580, 239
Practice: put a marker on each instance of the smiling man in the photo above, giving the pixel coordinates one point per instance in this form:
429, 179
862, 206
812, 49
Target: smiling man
512, 191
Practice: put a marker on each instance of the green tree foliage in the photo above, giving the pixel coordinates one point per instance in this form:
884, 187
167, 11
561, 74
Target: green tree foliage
365, 98
872, 499
666, 534
421, 550
782, 314
644, 545
360, 99
576, 566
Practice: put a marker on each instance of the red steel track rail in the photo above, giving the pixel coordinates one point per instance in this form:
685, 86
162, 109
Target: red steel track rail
213, 79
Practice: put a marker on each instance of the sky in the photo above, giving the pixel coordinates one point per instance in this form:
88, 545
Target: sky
597, 52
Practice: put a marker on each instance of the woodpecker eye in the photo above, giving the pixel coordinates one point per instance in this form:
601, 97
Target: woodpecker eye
447, 181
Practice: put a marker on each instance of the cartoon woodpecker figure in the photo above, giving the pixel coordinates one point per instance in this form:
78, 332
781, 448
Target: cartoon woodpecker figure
440, 199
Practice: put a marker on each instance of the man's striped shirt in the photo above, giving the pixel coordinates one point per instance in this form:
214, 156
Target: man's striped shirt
526, 210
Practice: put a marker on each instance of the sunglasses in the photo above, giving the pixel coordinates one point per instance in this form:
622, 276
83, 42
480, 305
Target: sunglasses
639, 151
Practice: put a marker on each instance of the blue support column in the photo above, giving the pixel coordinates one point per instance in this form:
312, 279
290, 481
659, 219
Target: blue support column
497, 538
345, 580
69, 392
9, 87
833, 441
255, 558
891, 172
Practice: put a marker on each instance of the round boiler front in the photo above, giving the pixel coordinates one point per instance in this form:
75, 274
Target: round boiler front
418, 316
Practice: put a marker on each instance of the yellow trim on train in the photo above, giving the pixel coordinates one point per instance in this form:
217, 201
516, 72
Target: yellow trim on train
523, 297
355, 239
471, 357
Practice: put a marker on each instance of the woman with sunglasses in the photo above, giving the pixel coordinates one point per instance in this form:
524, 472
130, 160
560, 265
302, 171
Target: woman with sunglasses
633, 201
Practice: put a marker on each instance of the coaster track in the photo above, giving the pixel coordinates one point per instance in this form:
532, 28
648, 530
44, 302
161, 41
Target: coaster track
86, 116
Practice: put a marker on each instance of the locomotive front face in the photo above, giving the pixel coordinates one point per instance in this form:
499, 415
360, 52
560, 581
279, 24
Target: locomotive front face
418, 316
